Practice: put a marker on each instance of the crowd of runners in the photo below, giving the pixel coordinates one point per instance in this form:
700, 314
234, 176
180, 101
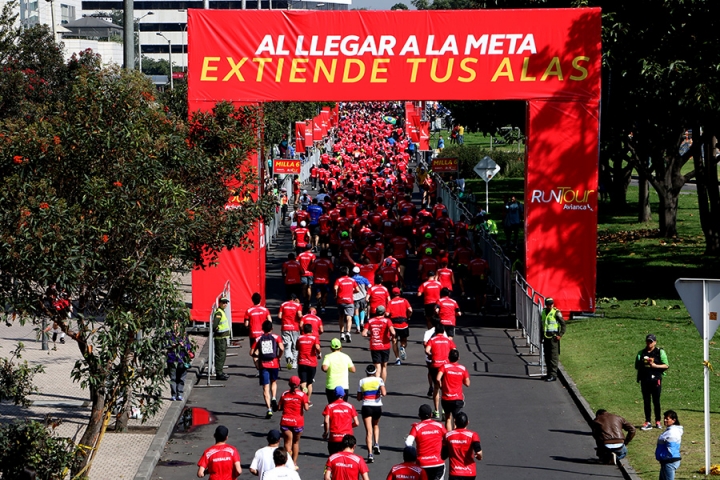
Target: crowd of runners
360, 242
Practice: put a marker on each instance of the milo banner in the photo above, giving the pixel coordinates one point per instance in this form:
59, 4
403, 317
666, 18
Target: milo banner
284, 166
444, 165
550, 58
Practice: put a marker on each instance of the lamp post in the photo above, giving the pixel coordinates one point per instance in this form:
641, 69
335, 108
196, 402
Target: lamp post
140, 40
169, 56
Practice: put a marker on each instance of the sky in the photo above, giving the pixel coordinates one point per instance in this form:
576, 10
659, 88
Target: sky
379, 4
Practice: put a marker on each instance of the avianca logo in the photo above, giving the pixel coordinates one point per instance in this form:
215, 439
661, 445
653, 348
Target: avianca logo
567, 197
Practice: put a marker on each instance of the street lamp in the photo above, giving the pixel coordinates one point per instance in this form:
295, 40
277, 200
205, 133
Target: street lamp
169, 56
140, 40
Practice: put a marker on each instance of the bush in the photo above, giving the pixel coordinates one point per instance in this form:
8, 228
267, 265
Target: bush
512, 164
29, 443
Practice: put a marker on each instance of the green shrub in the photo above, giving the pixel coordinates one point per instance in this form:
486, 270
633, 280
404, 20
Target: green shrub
512, 164
28, 443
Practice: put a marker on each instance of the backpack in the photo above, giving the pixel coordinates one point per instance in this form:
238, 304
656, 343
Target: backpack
267, 347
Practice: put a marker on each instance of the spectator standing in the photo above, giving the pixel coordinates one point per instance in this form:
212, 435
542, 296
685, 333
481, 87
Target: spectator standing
667, 451
345, 465
409, 469
221, 333
293, 403
371, 389
340, 419
428, 435
462, 447
180, 353
221, 461
461, 135
651, 364
553, 330
263, 459
607, 430
337, 365
269, 349
513, 220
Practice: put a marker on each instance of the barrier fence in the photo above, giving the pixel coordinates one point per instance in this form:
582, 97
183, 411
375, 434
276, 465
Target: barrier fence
515, 294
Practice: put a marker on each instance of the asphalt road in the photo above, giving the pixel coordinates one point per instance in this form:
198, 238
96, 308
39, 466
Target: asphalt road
529, 429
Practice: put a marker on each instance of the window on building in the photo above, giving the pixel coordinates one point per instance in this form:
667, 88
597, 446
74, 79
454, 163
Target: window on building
67, 14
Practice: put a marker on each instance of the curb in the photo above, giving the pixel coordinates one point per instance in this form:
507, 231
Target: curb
152, 456
628, 472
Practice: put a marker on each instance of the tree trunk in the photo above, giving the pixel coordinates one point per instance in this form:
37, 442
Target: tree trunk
90, 438
708, 193
619, 181
643, 198
668, 213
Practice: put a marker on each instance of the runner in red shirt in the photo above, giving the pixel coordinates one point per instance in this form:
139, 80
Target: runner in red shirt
388, 274
345, 465
308, 347
451, 377
427, 264
428, 436
314, 321
254, 318
340, 419
290, 314
381, 333
430, 291
462, 447
409, 469
301, 237
345, 287
399, 311
292, 276
438, 351
445, 276
448, 310
306, 260
479, 270
322, 268
293, 404
221, 461
377, 295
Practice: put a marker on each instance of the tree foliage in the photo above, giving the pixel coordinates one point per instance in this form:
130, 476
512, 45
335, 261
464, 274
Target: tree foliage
104, 194
399, 6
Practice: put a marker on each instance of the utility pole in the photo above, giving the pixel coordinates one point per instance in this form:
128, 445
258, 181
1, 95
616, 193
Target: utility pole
129, 34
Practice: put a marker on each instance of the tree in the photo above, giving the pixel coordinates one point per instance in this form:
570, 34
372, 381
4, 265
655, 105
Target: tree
105, 196
279, 118
399, 6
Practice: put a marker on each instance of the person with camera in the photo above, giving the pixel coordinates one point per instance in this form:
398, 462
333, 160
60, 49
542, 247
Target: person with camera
651, 364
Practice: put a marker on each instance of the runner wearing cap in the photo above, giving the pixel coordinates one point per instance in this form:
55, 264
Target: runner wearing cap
428, 436
301, 237
221, 461
360, 298
381, 333
337, 365
293, 404
389, 274
340, 419
370, 391
399, 311
409, 469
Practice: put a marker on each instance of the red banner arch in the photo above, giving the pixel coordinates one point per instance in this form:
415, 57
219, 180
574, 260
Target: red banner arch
551, 58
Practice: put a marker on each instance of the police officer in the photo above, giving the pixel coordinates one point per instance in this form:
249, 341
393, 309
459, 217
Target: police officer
553, 328
221, 331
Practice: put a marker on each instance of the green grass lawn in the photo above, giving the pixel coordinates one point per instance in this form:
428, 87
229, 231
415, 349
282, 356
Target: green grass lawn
636, 272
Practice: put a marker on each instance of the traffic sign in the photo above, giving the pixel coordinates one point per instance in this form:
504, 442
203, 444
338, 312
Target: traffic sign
486, 168
696, 301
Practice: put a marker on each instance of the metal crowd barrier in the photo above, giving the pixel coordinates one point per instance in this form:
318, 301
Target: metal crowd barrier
528, 309
273, 226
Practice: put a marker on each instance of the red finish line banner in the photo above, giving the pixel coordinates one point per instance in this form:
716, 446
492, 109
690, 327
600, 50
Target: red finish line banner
281, 165
443, 165
262, 55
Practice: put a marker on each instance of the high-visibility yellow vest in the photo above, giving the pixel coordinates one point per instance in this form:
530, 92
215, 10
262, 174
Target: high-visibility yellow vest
223, 325
550, 323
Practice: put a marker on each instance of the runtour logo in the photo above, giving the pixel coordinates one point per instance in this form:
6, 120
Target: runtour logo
569, 198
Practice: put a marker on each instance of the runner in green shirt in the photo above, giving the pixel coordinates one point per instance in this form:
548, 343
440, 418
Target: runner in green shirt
337, 365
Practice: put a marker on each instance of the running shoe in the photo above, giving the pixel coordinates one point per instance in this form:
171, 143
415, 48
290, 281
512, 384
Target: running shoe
658, 425
179, 397
274, 405
376, 449
436, 415
348, 339
173, 398
430, 392
398, 362
403, 354
646, 426
289, 365
370, 458
269, 414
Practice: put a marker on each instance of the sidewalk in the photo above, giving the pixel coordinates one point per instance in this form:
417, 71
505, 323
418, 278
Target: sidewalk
121, 454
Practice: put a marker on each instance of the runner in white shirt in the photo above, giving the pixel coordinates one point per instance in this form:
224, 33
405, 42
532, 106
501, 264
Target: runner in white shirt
281, 470
263, 460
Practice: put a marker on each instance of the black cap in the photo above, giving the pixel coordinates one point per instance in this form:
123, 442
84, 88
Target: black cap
221, 433
651, 338
425, 411
273, 436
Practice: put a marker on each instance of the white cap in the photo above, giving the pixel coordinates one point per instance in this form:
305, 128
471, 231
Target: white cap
304, 192
356, 270
302, 224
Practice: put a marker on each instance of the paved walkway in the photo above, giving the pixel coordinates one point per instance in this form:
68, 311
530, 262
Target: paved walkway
530, 429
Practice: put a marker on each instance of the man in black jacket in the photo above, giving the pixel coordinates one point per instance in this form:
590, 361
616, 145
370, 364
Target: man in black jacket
607, 430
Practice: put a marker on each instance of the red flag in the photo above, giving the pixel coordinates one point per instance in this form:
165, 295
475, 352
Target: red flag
308, 135
300, 137
424, 136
